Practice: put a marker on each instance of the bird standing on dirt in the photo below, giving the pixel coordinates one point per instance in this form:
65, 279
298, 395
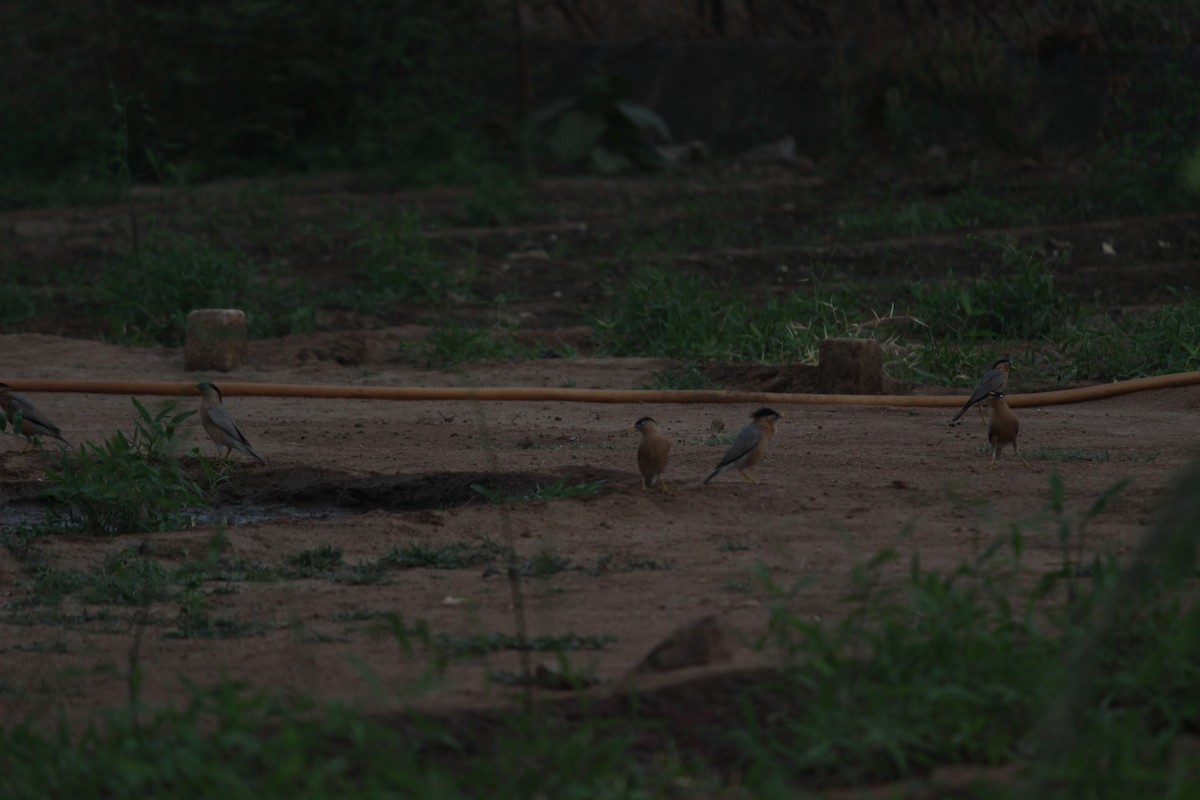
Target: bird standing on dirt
749, 446
219, 426
994, 380
33, 423
652, 454
1003, 428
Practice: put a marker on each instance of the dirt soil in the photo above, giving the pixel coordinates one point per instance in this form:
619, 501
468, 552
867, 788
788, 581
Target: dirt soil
838, 485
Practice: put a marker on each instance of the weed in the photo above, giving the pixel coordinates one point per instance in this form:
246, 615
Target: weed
365, 573
679, 315
449, 343
1166, 339
127, 578
481, 644
453, 555
321, 559
1021, 303
201, 625
497, 200
545, 562
687, 376
124, 484
399, 266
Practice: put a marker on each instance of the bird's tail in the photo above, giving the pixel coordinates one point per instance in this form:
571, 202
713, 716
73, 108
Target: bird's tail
259, 458
961, 411
715, 473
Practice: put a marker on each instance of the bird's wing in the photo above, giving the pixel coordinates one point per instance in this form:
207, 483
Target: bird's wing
220, 417
31, 414
747, 438
991, 381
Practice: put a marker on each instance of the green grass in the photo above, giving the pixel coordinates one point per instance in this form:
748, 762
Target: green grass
686, 376
145, 297
675, 314
450, 343
1019, 302
451, 555
398, 265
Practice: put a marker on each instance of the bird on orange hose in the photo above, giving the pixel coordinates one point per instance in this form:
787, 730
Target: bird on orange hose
749, 446
219, 426
994, 380
652, 454
33, 422
1003, 428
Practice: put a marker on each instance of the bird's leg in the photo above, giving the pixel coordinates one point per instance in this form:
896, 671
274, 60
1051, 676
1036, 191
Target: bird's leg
28, 444
644, 488
662, 486
1025, 463
746, 476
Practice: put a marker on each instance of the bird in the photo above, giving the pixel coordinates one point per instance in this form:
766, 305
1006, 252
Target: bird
652, 454
749, 446
994, 380
219, 426
1003, 428
33, 422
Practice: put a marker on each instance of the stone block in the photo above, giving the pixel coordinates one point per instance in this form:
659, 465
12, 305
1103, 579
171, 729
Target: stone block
216, 339
850, 366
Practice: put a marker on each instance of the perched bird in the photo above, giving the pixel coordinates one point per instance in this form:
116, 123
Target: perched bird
33, 423
994, 380
1003, 428
652, 454
749, 446
219, 426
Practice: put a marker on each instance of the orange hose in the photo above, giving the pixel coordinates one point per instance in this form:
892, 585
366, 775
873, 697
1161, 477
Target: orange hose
627, 396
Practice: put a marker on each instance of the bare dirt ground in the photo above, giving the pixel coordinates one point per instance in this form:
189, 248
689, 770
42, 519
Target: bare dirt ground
838, 486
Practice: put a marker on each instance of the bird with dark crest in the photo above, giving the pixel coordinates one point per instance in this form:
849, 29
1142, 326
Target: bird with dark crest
994, 380
219, 425
33, 422
749, 446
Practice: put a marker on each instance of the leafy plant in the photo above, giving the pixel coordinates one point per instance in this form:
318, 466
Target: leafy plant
601, 129
124, 484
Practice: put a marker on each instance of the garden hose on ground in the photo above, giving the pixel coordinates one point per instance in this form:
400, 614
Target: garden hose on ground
492, 394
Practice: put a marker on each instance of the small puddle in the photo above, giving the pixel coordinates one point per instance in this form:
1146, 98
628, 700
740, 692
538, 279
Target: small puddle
321, 495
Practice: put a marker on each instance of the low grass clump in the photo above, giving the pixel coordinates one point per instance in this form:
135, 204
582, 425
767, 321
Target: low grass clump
675, 314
